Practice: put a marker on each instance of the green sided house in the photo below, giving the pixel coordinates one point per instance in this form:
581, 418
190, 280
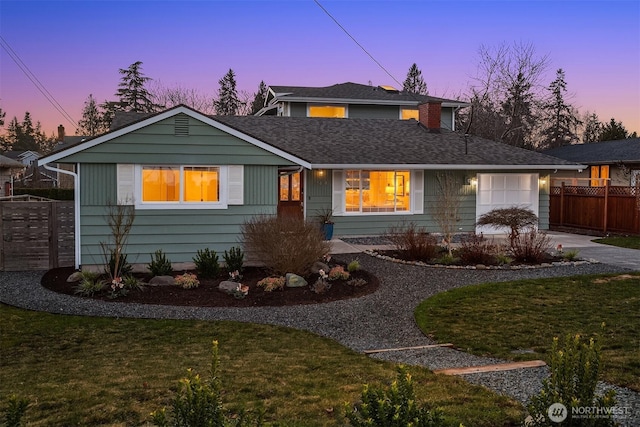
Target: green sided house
194, 179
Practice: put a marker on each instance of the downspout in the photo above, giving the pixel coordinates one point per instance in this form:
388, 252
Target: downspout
76, 206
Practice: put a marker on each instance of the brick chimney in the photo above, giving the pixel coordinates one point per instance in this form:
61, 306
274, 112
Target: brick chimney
60, 133
429, 114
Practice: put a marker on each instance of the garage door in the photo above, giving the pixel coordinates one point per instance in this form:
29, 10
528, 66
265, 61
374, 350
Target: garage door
503, 191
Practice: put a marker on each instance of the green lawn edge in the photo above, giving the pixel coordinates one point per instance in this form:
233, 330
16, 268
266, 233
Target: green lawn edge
517, 320
629, 242
108, 371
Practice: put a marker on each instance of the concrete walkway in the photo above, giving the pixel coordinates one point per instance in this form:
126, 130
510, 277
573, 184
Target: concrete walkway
587, 249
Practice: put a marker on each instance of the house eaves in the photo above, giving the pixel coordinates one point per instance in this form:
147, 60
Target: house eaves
181, 109
440, 167
356, 101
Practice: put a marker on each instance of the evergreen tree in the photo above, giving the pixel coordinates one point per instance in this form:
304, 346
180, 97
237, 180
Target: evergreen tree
260, 98
560, 124
414, 82
612, 131
132, 94
92, 122
228, 102
2, 115
23, 136
592, 127
517, 109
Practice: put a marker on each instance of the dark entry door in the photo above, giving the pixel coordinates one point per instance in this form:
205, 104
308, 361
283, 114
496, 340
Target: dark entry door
290, 195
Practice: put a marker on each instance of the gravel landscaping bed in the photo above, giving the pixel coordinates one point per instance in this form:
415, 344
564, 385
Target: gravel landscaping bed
383, 319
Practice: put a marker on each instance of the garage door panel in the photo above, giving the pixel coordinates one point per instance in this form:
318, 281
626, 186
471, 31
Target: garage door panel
497, 191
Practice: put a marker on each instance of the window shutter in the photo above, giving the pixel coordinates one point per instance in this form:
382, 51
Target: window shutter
337, 199
125, 176
417, 190
235, 184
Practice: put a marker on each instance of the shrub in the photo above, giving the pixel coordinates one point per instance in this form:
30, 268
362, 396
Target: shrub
187, 281
353, 266
89, 285
574, 374
284, 245
117, 288
132, 284
514, 218
475, 249
531, 247
234, 259
338, 273
198, 402
160, 264
395, 406
356, 283
271, 284
447, 259
413, 240
15, 410
118, 265
207, 263
570, 255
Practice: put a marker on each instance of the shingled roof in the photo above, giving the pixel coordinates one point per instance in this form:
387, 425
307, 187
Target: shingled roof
607, 152
325, 141
354, 91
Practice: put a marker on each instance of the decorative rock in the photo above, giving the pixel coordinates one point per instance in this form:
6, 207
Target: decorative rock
75, 277
481, 267
228, 287
317, 266
162, 281
295, 281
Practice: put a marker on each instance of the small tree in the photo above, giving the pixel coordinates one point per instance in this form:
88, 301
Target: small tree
513, 218
228, 103
120, 220
446, 209
92, 122
414, 82
259, 99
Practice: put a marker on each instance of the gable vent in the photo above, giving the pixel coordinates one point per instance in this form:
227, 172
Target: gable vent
181, 126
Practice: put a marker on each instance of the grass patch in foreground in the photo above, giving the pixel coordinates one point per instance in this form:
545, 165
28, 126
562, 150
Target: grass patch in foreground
500, 318
631, 242
101, 371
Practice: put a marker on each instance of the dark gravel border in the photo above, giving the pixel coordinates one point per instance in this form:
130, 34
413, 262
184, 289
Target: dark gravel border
383, 319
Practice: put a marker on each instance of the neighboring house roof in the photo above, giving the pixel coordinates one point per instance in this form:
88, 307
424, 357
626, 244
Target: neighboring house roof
326, 143
354, 93
8, 163
606, 152
21, 155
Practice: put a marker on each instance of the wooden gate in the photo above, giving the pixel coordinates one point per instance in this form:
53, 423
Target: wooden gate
36, 235
603, 209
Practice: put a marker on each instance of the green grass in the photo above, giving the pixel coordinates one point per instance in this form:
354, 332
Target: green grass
498, 318
115, 372
631, 242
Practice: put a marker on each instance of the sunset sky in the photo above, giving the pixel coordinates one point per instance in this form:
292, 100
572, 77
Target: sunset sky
75, 48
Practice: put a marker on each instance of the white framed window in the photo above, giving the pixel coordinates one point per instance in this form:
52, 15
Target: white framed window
180, 186
372, 192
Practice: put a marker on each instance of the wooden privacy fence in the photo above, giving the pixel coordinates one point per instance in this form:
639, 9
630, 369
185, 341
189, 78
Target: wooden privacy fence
36, 235
603, 209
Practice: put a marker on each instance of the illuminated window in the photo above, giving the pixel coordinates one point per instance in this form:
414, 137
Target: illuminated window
160, 184
333, 111
376, 191
599, 175
201, 184
180, 184
409, 113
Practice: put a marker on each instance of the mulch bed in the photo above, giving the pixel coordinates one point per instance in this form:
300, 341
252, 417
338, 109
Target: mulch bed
208, 295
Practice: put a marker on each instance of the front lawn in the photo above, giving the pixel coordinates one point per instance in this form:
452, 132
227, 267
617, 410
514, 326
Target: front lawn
508, 319
631, 242
102, 371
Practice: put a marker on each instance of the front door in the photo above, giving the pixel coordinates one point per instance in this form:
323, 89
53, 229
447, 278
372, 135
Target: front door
290, 195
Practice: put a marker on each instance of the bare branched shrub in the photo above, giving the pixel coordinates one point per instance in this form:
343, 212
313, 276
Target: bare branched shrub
120, 220
446, 209
418, 244
476, 249
531, 247
514, 218
284, 245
